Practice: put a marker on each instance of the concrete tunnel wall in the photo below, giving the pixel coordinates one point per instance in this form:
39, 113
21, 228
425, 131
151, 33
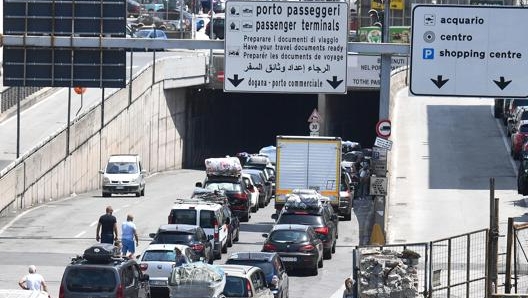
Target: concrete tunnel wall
153, 125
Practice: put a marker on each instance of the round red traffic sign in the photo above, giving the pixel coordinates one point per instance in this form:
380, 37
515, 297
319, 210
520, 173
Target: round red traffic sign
383, 128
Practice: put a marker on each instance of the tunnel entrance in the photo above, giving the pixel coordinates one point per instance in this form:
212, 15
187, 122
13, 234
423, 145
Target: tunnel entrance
220, 123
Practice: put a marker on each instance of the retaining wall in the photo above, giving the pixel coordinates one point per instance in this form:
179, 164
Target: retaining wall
151, 124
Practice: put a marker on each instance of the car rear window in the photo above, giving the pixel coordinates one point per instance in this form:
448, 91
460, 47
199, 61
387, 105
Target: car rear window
288, 236
227, 186
90, 280
523, 128
300, 217
207, 219
235, 287
173, 238
159, 256
183, 216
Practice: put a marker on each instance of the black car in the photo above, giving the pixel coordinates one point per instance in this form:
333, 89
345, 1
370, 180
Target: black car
271, 264
236, 191
99, 273
297, 245
310, 211
218, 27
498, 108
133, 8
522, 176
190, 235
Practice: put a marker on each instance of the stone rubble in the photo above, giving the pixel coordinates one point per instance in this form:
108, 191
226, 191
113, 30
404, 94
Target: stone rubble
384, 274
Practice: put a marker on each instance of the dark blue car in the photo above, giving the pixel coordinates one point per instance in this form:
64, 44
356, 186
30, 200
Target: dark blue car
271, 264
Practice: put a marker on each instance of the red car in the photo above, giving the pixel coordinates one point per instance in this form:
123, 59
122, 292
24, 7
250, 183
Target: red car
519, 133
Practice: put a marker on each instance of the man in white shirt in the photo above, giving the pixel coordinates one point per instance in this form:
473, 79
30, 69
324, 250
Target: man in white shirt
33, 281
128, 234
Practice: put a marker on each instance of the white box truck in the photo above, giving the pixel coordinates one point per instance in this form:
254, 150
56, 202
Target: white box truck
310, 163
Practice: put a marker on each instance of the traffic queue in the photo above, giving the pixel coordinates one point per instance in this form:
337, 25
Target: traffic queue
181, 259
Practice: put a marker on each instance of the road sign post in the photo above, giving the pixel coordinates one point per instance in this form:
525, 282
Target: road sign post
297, 47
469, 51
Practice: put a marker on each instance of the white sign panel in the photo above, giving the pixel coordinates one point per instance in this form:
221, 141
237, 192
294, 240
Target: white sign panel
293, 47
364, 71
469, 51
383, 143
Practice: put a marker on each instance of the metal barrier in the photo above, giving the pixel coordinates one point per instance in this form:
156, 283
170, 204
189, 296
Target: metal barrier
11, 94
450, 267
520, 259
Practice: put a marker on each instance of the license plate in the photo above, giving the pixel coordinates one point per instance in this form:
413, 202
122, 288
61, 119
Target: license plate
289, 259
120, 187
158, 282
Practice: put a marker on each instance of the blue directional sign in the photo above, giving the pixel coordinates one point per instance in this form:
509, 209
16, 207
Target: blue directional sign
61, 66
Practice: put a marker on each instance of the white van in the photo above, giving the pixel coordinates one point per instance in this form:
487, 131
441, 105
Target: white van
123, 174
212, 217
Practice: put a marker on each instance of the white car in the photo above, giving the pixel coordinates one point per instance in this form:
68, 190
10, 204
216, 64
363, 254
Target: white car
123, 174
158, 260
245, 281
254, 192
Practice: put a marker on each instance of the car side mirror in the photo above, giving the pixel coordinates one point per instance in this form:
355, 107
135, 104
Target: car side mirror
228, 221
101, 172
514, 130
209, 237
198, 184
152, 235
267, 183
333, 217
265, 235
275, 216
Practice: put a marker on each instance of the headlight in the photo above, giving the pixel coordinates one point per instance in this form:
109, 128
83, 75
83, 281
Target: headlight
106, 180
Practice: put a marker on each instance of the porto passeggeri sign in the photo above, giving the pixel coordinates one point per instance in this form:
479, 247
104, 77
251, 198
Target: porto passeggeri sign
472, 51
286, 46
62, 66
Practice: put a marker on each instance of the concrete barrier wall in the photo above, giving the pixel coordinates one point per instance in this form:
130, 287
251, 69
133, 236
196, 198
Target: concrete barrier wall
152, 125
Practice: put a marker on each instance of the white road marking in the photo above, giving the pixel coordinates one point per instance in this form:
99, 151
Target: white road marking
94, 223
79, 235
504, 140
17, 217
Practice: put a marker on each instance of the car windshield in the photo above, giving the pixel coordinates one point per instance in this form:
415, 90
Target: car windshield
159, 256
88, 280
300, 217
235, 287
172, 238
227, 186
121, 168
288, 236
143, 33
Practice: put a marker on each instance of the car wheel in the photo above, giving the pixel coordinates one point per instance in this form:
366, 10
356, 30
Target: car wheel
245, 218
106, 194
262, 204
333, 248
229, 240
138, 194
315, 272
143, 192
254, 209
224, 248
348, 216
320, 263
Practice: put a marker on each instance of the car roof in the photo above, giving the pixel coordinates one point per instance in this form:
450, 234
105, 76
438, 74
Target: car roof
196, 204
165, 247
290, 227
123, 158
238, 270
252, 255
178, 227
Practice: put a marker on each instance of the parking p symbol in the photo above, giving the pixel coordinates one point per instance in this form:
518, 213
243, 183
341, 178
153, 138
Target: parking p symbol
428, 53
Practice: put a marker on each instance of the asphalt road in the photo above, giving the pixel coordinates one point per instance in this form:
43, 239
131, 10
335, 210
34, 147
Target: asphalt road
445, 152
50, 234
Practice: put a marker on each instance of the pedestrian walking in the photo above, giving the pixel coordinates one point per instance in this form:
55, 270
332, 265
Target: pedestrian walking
33, 281
107, 227
128, 235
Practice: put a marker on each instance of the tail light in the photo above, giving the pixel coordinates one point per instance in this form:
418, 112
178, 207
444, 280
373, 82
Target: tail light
61, 291
120, 293
269, 247
143, 266
215, 235
240, 196
198, 247
307, 248
248, 287
322, 230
